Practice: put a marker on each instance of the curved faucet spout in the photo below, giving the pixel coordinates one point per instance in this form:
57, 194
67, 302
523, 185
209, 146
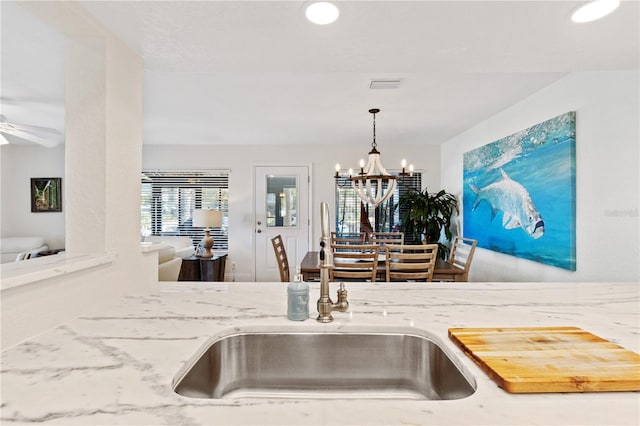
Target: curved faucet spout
325, 241
325, 304
324, 219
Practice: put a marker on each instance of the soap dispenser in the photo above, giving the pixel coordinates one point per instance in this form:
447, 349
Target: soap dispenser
298, 298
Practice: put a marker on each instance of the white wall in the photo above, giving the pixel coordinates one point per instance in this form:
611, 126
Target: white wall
241, 160
19, 164
607, 179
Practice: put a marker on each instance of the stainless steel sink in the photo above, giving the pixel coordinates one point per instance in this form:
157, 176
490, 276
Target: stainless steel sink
323, 365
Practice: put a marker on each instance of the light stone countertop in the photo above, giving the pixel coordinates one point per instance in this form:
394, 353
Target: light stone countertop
115, 367
15, 274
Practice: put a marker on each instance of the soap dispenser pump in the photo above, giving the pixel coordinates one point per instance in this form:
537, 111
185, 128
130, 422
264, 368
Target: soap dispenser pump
298, 298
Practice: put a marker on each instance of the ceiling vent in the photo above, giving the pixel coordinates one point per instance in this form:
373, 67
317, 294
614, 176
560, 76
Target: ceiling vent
384, 84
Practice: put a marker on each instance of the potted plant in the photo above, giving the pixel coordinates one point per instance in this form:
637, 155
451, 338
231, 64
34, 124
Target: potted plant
426, 215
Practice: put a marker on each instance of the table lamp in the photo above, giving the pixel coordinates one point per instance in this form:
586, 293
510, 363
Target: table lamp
206, 218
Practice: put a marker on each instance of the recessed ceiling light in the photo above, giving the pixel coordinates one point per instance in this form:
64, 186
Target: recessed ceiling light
595, 10
322, 13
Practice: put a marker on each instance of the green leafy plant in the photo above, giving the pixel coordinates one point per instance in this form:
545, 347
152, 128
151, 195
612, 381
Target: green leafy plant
427, 215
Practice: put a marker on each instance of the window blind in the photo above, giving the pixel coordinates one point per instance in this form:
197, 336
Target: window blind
384, 218
169, 198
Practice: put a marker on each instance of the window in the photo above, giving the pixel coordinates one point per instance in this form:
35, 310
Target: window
282, 201
169, 198
383, 218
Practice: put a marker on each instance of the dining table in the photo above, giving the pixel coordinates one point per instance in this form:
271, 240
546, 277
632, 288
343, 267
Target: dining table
310, 269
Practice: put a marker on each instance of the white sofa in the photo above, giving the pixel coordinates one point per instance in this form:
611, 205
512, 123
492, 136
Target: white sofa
183, 246
168, 264
26, 247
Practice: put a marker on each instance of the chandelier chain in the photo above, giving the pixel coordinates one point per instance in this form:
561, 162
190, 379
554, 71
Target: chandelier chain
374, 144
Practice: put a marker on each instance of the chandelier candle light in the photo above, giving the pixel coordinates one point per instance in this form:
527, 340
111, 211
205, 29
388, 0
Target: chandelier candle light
374, 185
206, 218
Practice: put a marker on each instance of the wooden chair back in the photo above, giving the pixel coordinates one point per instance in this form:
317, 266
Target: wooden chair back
460, 258
412, 263
390, 241
281, 258
387, 237
354, 262
356, 238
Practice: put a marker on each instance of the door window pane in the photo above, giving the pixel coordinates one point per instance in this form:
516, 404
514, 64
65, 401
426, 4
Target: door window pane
282, 201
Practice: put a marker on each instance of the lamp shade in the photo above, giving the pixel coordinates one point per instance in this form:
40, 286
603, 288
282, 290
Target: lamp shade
206, 218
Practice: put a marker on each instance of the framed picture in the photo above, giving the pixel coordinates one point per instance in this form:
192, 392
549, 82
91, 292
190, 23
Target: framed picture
519, 193
46, 195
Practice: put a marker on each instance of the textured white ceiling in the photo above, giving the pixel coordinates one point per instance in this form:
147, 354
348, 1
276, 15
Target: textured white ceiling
235, 72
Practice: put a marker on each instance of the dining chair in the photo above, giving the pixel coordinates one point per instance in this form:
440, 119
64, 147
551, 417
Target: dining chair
411, 263
348, 238
387, 237
390, 240
354, 262
281, 258
459, 261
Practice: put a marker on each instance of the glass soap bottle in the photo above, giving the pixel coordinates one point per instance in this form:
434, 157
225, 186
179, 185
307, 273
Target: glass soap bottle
298, 298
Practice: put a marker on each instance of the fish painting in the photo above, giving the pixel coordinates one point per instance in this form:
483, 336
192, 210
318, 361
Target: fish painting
514, 201
540, 182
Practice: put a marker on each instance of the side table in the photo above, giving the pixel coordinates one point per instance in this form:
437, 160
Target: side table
200, 269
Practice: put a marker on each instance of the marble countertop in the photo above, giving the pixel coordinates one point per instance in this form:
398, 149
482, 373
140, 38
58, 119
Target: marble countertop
15, 274
115, 367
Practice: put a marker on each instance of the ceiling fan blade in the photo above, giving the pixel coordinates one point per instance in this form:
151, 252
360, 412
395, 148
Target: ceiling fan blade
44, 136
7, 127
31, 100
31, 128
30, 137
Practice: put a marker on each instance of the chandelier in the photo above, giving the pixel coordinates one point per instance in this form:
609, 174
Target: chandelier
374, 185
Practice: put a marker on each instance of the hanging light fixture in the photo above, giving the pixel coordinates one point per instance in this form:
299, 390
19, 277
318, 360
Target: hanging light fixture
374, 185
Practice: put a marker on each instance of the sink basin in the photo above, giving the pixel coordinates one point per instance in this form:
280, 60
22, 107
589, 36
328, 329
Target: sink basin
323, 365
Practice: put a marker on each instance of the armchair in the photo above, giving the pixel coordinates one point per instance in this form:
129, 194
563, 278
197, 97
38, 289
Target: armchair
168, 264
182, 245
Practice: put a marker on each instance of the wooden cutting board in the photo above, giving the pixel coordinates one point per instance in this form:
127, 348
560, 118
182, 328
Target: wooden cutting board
550, 359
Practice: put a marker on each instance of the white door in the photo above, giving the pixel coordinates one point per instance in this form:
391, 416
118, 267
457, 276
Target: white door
282, 207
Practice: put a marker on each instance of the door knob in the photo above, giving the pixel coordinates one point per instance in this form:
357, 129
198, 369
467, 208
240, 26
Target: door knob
259, 231
259, 223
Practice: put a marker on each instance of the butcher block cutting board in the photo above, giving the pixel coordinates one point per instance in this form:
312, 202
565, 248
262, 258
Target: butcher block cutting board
550, 359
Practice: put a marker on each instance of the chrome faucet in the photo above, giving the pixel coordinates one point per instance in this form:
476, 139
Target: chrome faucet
325, 304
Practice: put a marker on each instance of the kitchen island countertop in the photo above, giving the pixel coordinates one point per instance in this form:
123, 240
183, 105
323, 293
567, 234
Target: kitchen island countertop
115, 367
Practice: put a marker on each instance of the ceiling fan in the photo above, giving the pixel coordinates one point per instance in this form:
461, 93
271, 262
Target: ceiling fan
44, 136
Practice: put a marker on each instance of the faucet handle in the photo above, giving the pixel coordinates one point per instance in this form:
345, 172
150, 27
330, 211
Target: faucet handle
343, 302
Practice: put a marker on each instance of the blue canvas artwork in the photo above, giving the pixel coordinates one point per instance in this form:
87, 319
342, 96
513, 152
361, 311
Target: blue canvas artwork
519, 193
